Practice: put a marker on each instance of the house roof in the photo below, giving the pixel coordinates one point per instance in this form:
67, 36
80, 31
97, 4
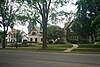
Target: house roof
35, 28
12, 32
67, 25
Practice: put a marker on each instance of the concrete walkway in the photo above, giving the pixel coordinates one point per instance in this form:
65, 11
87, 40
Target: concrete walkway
70, 49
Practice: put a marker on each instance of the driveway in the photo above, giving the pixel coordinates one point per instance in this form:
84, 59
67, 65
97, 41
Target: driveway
44, 59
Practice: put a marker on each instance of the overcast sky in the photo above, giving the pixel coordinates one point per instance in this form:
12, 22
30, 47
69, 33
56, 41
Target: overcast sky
70, 7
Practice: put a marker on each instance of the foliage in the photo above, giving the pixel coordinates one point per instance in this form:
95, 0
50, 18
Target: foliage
98, 34
54, 33
7, 13
96, 24
97, 43
40, 11
87, 50
77, 27
52, 48
87, 13
1, 34
19, 36
89, 46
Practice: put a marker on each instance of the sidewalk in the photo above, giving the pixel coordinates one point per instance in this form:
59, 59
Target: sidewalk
70, 49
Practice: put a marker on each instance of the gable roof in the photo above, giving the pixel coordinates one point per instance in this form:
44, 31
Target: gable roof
67, 25
13, 31
36, 28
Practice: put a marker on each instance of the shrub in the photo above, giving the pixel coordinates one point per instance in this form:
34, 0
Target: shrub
60, 41
50, 42
88, 46
97, 43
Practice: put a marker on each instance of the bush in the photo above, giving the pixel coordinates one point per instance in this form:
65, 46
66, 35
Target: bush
31, 42
24, 42
50, 42
88, 46
60, 41
18, 44
40, 43
73, 41
97, 43
83, 41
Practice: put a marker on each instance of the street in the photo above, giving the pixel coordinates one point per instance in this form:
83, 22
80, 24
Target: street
44, 59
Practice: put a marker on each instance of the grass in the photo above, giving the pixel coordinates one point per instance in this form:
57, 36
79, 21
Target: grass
83, 48
87, 48
51, 48
58, 46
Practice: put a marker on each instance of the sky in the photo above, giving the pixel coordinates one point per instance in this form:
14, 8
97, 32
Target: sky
68, 8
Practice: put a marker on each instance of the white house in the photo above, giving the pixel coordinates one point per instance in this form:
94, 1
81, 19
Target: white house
35, 35
11, 35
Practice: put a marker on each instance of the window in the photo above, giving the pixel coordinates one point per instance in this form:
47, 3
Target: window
33, 33
35, 39
41, 39
31, 39
40, 32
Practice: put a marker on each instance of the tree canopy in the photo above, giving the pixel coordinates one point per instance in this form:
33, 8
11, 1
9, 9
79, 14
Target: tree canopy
88, 12
42, 11
54, 33
8, 12
32, 11
7, 15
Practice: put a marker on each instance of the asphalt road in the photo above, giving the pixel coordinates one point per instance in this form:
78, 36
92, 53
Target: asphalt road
41, 59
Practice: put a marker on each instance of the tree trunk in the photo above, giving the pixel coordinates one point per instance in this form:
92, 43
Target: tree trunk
4, 36
4, 40
44, 36
44, 22
44, 31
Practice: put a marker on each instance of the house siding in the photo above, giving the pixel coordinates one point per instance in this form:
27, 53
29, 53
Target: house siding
34, 37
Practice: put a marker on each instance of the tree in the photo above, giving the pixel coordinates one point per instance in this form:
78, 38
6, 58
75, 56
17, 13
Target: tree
18, 37
8, 11
96, 24
86, 13
41, 12
1, 34
54, 33
7, 14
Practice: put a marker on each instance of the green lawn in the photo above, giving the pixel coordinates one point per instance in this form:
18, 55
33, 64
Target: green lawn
83, 48
87, 48
51, 48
